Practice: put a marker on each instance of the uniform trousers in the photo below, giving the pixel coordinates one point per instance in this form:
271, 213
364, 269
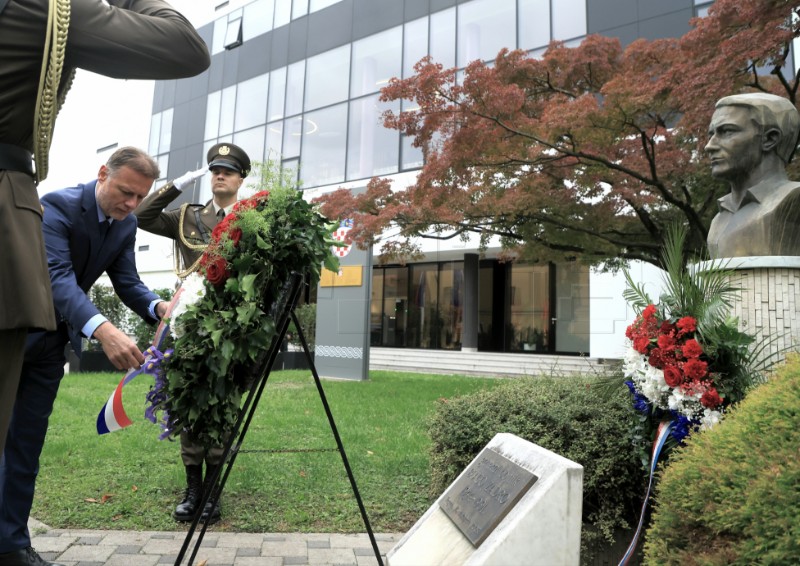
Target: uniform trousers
42, 371
12, 351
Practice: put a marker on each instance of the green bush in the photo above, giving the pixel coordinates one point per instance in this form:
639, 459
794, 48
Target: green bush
732, 494
565, 415
110, 306
307, 316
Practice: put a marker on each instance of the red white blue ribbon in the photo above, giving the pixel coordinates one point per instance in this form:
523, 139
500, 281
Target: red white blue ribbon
664, 428
113, 416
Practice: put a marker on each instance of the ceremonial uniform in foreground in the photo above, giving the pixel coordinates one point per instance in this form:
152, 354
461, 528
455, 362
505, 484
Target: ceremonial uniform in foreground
136, 39
190, 227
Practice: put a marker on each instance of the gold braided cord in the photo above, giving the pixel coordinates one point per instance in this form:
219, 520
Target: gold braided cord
180, 270
48, 99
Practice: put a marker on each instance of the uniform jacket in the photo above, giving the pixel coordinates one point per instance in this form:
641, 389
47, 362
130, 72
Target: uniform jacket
188, 235
137, 39
78, 253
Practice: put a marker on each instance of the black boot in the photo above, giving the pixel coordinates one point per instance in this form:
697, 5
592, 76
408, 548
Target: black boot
211, 513
186, 509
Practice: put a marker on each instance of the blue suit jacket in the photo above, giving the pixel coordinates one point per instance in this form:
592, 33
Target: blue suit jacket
77, 254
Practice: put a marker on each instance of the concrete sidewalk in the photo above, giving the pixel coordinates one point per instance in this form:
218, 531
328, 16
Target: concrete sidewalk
148, 548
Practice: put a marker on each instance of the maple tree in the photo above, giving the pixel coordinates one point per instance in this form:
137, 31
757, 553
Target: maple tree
588, 153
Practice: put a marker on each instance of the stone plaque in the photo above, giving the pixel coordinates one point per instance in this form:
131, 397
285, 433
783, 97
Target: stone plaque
487, 490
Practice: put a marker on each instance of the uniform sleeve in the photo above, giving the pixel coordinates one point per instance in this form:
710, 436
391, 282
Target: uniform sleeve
150, 216
134, 39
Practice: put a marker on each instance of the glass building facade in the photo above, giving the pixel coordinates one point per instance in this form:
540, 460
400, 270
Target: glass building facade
298, 81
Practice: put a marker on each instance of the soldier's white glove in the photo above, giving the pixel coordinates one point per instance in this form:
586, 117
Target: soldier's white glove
188, 178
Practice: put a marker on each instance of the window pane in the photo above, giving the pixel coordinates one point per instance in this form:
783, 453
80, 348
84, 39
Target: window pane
155, 133
415, 44
252, 142
534, 23
395, 306
212, 115
376, 316
484, 28
376, 59
451, 304
165, 139
291, 137
274, 140
569, 19
412, 156
528, 304
294, 88
443, 41
233, 36
218, 39
320, 4
226, 111
258, 18
423, 321
326, 78
324, 136
572, 308
283, 11
277, 93
299, 8
372, 149
250, 108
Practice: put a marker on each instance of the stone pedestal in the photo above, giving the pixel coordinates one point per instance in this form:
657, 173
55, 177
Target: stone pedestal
769, 298
481, 519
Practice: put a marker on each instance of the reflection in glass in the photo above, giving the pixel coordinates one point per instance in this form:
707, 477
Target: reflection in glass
372, 149
395, 306
324, 146
484, 28
572, 308
415, 44
376, 59
534, 23
443, 42
326, 78
212, 115
274, 140
252, 142
291, 137
250, 97
528, 308
376, 309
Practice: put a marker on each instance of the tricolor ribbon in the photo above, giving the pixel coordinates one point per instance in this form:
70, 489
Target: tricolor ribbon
113, 416
664, 429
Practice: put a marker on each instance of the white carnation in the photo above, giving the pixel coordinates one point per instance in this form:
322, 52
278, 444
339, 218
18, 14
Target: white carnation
192, 290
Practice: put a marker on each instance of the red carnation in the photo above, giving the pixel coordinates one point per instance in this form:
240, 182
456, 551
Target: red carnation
692, 348
640, 344
672, 376
649, 311
241, 205
711, 399
657, 358
666, 341
220, 229
687, 324
695, 369
217, 271
262, 195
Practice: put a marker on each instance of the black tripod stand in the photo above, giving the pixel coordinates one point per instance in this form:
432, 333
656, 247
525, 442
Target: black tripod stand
282, 311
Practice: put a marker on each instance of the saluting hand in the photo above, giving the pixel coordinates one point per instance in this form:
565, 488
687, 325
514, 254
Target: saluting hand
118, 347
188, 178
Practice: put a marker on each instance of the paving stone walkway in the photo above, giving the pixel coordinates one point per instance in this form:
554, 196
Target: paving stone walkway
148, 548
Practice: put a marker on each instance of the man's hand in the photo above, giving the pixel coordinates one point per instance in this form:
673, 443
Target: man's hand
120, 350
161, 309
188, 178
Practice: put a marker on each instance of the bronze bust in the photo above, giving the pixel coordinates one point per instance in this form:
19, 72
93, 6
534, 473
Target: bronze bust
752, 138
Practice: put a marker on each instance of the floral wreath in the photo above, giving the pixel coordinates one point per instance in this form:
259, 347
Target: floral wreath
221, 324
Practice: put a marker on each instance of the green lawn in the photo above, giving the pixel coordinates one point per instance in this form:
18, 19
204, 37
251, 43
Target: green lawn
131, 480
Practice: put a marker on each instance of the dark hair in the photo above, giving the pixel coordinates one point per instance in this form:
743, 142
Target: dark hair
134, 158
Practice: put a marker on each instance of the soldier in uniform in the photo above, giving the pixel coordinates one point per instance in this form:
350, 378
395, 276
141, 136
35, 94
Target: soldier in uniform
190, 226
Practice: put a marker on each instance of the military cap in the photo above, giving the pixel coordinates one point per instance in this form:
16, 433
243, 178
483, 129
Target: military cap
229, 156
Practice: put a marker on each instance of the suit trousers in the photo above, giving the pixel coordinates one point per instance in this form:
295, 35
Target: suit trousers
12, 351
42, 371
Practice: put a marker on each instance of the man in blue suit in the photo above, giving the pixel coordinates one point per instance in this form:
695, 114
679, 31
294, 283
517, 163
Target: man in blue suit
88, 230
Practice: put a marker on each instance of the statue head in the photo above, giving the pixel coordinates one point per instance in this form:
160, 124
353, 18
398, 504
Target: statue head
770, 112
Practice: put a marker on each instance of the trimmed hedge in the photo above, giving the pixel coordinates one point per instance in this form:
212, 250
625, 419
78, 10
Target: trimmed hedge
565, 415
732, 494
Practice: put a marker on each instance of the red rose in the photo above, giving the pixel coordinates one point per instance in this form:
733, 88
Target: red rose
672, 376
692, 348
262, 195
235, 235
711, 399
649, 311
687, 324
217, 271
695, 369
